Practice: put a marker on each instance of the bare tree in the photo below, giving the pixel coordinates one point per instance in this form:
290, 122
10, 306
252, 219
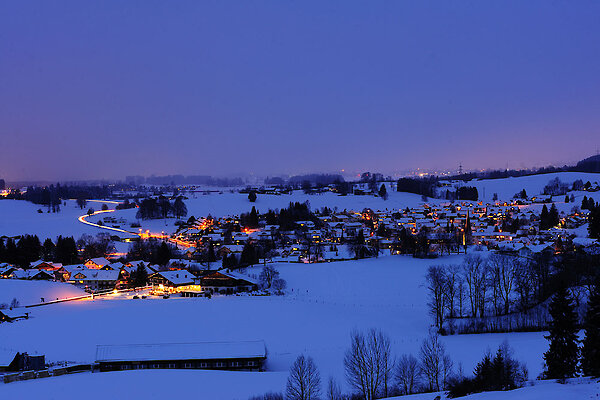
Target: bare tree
267, 276
408, 373
333, 390
368, 364
475, 273
452, 273
436, 365
436, 284
304, 382
503, 270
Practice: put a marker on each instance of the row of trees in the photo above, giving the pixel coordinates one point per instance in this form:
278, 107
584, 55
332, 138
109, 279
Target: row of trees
549, 219
152, 250
372, 371
29, 248
484, 286
161, 207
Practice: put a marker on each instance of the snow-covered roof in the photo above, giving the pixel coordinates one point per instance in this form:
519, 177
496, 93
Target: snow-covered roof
237, 275
6, 356
181, 351
96, 275
178, 277
101, 261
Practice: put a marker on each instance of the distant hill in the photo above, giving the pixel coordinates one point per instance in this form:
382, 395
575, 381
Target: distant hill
590, 164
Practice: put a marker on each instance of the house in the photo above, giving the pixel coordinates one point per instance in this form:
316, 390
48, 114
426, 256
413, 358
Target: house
12, 315
230, 249
229, 356
95, 279
32, 274
227, 283
96, 263
6, 270
171, 279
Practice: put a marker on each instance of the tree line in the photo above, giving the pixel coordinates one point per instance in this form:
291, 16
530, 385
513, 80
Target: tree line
161, 207
471, 296
28, 248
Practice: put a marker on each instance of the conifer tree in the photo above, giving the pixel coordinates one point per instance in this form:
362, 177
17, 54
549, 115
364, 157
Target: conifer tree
594, 221
383, 192
553, 218
590, 352
544, 218
562, 356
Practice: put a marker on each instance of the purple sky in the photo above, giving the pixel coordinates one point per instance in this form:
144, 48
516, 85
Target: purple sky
115, 88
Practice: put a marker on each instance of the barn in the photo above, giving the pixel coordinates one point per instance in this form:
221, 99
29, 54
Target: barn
230, 356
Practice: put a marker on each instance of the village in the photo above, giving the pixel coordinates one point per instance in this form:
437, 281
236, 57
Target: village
211, 253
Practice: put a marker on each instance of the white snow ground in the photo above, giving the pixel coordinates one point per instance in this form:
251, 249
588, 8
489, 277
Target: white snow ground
326, 302
31, 292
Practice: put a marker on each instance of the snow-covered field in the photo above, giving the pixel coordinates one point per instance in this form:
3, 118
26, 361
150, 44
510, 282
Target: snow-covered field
533, 184
215, 385
31, 292
219, 205
19, 217
326, 302
576, 389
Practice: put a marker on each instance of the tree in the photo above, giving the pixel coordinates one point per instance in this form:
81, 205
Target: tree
436, 365
90, 211
267, 276
561, 358
553, 218
139, 277
163, 254
436, 285
252, 196
590, 352
304, 381
104, 207
594, 222
81, 201
368, 364
408, 373
544, 218
334, 392
14, 303
179, 207
279, 284
383, 192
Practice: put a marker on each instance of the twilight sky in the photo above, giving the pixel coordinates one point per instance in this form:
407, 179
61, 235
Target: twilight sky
112, 88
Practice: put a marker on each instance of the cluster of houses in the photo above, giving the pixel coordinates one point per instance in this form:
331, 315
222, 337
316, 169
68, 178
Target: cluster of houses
330, 232
99, 274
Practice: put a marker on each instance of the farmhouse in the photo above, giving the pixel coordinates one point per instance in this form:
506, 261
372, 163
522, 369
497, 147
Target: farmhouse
231, 356
227, 283
96, 263
171, 279
95, 279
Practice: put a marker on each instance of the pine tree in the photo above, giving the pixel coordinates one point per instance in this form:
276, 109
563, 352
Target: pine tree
594, 221
562, 356
383, 192
544, 218
553, 218
590, 352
